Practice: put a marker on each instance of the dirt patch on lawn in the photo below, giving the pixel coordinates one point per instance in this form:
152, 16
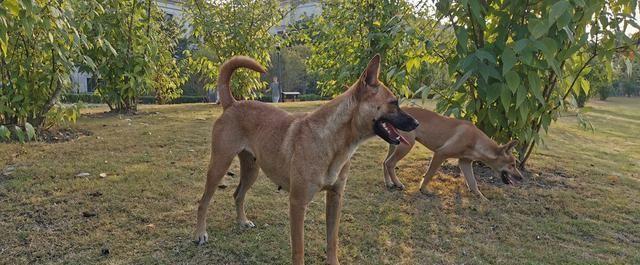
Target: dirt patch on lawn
542, 179
62, 135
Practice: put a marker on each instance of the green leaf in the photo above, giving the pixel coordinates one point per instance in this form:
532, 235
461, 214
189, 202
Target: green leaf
564, 20
462, 38
520, 45
31, 132
538, 27
569, 33
513, 80
493, 92
521, 96
508, 60
19, 133
423, 91
12, 6
586, 86
546, 121
413, 63
547, 45
462, 80
5, 134
505, 98
535, 86
557, 10
524, 112
482, 54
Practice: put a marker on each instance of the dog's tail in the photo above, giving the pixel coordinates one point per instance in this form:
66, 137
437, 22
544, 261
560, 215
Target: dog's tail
227, 69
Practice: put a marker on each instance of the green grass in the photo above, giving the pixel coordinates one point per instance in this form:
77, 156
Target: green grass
580, 204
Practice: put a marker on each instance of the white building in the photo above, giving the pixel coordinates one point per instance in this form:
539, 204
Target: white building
297, 10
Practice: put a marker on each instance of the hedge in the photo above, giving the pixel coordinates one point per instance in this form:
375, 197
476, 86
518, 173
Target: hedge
95, 98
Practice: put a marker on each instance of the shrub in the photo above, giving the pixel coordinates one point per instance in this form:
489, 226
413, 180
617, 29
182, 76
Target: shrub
82, 97
312, 97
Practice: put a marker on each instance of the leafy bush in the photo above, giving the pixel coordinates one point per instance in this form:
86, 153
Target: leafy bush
62, 115
348, 33
517, 62
40, 45
139, 56
228, 28
312, 97
604, 92
82, 97
189, 99
22, 134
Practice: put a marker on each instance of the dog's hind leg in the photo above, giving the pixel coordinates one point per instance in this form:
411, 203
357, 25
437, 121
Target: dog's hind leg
220, 162
385, 170
436, 161
248, 174
467, 170
396, 153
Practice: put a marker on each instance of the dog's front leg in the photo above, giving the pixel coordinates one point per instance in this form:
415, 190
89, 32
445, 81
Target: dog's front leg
300, 197
333, 208
297, 212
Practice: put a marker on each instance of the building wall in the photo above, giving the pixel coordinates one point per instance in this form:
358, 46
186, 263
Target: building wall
302, 9
173, 8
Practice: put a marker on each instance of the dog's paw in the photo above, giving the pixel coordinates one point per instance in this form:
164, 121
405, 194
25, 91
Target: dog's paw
392, 186
426, 191
246, 224
201, 238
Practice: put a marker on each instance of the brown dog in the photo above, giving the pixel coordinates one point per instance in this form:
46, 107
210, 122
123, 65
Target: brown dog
303, 153
451, 138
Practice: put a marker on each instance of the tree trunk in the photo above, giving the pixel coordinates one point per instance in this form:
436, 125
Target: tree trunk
525, 153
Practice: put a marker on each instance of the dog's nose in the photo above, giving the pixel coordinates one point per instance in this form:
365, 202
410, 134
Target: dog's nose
414, 124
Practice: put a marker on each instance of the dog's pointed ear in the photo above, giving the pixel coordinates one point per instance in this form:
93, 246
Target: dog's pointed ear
370, 74
508, 147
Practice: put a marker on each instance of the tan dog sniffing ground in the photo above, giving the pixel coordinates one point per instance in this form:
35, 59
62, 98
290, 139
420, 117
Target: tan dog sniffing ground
451, 138
302, 153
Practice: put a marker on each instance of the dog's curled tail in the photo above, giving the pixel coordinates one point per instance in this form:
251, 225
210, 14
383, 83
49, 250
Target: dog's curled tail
224, 78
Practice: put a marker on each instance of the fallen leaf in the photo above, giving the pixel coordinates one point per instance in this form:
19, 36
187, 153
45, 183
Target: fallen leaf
8, 171
152, 226
89, 214
103, 175
83, 174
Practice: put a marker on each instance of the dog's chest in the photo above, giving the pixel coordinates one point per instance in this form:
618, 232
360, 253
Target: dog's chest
338, 162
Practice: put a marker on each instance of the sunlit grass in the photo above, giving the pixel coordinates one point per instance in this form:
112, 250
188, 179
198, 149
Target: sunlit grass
581, 204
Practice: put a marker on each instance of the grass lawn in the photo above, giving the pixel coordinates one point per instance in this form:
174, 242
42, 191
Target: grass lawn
579, 205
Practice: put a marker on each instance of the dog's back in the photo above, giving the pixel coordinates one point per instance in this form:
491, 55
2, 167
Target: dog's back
436, 130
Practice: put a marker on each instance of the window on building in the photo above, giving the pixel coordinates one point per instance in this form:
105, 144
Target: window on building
92, 83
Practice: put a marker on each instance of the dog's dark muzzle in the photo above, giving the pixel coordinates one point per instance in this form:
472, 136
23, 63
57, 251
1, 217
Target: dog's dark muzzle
403, 121
386, 127
510, 179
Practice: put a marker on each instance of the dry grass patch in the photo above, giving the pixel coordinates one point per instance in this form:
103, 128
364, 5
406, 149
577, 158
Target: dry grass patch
580, 204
